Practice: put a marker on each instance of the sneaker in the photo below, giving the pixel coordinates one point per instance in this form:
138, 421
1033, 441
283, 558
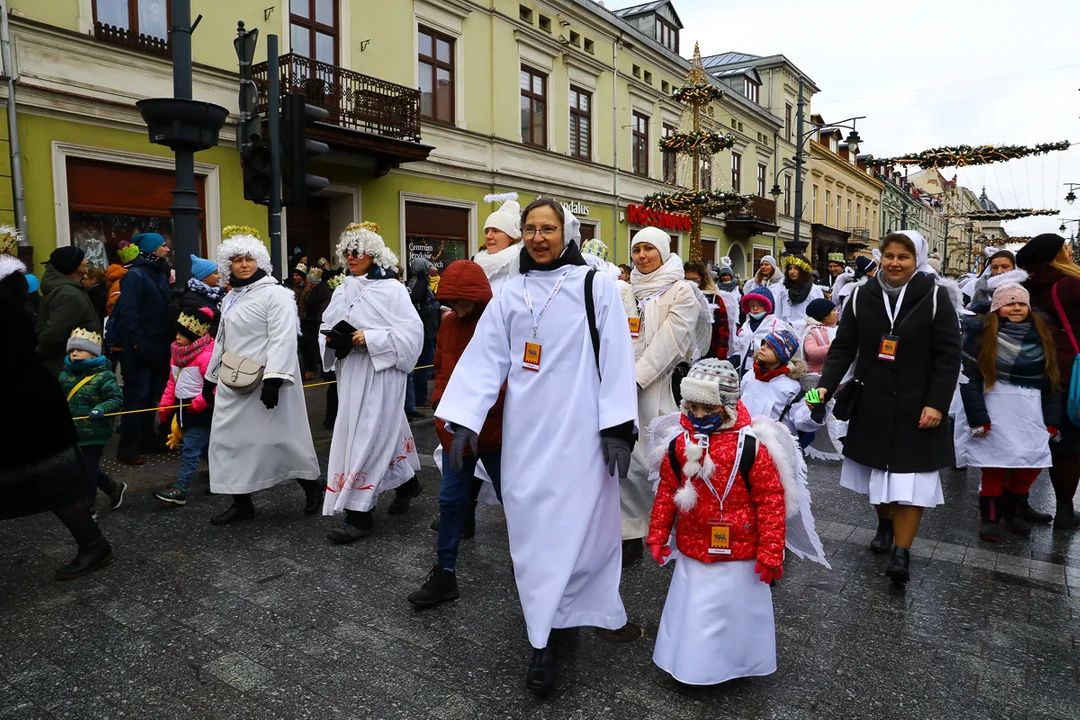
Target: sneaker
116, 497
173, 496
440, 586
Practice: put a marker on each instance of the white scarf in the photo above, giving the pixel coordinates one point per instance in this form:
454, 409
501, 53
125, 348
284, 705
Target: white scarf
645, 286
496, 265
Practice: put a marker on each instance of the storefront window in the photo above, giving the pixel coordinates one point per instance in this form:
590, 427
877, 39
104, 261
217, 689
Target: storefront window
99, 234
439, 252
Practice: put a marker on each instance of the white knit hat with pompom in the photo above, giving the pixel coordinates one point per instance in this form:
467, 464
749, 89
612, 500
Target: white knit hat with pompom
508, 217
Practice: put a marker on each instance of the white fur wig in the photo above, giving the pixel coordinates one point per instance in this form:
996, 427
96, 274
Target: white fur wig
242, 246
1017, 276
362, 241
9, 265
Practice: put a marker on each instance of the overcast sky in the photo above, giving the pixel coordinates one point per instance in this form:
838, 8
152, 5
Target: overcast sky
1012, 71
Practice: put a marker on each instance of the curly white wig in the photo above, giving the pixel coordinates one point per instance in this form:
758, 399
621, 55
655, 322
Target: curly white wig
9, 265
362, 241
239, 246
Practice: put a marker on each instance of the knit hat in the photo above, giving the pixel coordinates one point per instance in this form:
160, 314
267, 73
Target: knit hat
202, 268
596, 248
508, 217
864, 265
655, 237
9, 240
127, 251
314, 275
1008, 294
820, 308
769, 259
82, 339
725, 267
195, 325
836, 258
711, 382
1040, 249
761, 294
784, 344
364, 239
67, 259
148, 242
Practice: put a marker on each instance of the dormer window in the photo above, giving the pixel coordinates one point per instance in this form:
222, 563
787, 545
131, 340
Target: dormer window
667, 34
751, 90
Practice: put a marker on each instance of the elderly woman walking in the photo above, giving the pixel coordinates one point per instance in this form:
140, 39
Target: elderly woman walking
373, 338
669, 320
261, 435
902, 333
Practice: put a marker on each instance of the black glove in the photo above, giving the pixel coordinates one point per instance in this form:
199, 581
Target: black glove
270, 391
462, 436
616, 455
208, 389
818, 412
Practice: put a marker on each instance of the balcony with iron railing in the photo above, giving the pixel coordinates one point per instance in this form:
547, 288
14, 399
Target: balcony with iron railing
757, 218
132, 40
355, 101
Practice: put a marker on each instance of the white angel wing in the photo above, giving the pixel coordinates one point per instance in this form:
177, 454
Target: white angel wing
661, 432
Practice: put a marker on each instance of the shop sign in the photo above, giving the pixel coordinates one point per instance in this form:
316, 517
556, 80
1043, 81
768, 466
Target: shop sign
576, 208
658, 218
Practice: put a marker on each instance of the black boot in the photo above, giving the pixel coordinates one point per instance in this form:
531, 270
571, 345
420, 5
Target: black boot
128, 450
1010, 513
883, 539
990, 512
632, 551
541, 676
440, 586
898, 565
435, 524
241, 509
403, 495
357, 525
1032, 515
313, 494
1066, 518
94, 549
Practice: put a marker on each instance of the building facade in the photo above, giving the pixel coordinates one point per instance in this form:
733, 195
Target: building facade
963, 240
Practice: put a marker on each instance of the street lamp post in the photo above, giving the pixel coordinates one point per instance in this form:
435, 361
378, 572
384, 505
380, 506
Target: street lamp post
1071, 196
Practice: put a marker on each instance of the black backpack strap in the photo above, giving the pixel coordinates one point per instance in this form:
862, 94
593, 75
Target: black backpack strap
746, 461
590, 312
673, 458
787, 408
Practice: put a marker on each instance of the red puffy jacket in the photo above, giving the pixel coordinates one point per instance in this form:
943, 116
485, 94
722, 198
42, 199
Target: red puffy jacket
463, 280
756, 515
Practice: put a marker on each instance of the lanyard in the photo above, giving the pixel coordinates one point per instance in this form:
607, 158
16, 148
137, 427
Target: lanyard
734, 469
892, 312
528, 300
348, 311
225, 310
641, 305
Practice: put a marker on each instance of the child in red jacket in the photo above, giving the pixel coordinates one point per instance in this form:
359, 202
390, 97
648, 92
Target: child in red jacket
718, 619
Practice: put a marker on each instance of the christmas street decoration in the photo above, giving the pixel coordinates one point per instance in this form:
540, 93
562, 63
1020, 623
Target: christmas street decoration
965, 155
700, 201
1002, 215
691, 142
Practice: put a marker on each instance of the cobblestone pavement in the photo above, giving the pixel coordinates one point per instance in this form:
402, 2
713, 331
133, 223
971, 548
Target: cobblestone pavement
267, 620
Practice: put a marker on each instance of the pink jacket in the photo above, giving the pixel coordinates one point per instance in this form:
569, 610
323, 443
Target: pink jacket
186, 385
816, 341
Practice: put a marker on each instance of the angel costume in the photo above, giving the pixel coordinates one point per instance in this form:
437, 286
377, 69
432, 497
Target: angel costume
502, 265
373, 449
561, 504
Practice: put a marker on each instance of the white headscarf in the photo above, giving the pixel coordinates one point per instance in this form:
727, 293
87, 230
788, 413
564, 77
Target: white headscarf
922, 252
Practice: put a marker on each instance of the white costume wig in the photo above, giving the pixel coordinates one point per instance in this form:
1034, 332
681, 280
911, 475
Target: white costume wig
359, 240
242, 246
9, 265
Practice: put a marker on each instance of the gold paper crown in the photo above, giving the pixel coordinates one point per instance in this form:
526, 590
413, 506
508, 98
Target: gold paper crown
333, 282
799, 263
84, 334
366, 225
300, 268
193, 324
314, 273
9, 240
229, 230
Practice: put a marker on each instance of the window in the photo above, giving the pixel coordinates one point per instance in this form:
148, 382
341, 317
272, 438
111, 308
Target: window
750, 89
313, 29
648, 77
787, 122
545, 23
525, 14
858, 214
761, 172
533, 107
669, 157
127, 20
787, 195
590, 46
575, 39
839, 203
667, 34
435, 62
665, 87
580, 122
736, 172
636, 71
640, 144
706, 173
848, 215
828, 204
813, 212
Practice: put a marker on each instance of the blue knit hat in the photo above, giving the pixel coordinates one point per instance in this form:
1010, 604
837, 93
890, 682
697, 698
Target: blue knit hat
148, 242
201, 268
784, 344
820, 308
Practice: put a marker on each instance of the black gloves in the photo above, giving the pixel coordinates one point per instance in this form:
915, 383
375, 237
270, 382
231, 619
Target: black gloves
616, 455
462, 436
208, 389
270, 391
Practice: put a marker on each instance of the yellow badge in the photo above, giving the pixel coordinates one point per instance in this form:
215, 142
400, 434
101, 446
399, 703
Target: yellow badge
635, 327
531, 360
719, 538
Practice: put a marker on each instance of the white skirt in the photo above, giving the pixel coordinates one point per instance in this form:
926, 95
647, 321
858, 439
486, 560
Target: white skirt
922, 489
717, 624
1018, 437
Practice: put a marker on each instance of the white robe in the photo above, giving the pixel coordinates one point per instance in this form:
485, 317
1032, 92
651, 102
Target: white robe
768, 399
773, 284
562, 506
731, 300
252, 448
668, 332
373, 449
794, 314
747, 342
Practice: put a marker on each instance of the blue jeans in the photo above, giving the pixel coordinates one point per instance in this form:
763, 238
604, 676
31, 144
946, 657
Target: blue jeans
455, 498
196, 440
420, 378
410, 396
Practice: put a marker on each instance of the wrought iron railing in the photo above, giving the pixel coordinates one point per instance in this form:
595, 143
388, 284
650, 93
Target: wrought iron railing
354, 100
133, 41
760, 208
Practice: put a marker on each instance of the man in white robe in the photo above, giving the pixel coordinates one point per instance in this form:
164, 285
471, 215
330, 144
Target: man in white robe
567, 425
259, 438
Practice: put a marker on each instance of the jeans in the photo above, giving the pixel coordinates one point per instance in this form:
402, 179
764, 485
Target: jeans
144, 384
454, 499
97, 479
196, 440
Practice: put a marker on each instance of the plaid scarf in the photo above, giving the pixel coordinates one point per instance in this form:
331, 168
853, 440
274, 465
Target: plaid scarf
184, 355
1021, 360
214, 293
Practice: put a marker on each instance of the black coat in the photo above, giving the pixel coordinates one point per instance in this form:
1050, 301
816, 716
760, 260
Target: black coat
884, 429
142, 321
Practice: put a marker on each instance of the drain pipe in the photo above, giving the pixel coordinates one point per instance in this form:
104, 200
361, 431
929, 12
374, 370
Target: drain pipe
615, 141
13, 127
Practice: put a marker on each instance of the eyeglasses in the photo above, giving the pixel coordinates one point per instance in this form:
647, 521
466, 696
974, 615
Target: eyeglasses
547, 231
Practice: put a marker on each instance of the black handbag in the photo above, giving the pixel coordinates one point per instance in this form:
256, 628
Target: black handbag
847, 399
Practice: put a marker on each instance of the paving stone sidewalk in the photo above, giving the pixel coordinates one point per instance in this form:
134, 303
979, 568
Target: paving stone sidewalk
266, 619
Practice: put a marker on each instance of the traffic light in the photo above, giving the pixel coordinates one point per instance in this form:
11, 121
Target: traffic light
255, 160
297, 149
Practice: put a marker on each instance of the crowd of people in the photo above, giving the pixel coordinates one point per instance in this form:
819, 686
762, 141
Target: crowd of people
659, 407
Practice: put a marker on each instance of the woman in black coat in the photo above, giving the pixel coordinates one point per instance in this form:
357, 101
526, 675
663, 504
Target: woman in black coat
908, 365
41, 468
